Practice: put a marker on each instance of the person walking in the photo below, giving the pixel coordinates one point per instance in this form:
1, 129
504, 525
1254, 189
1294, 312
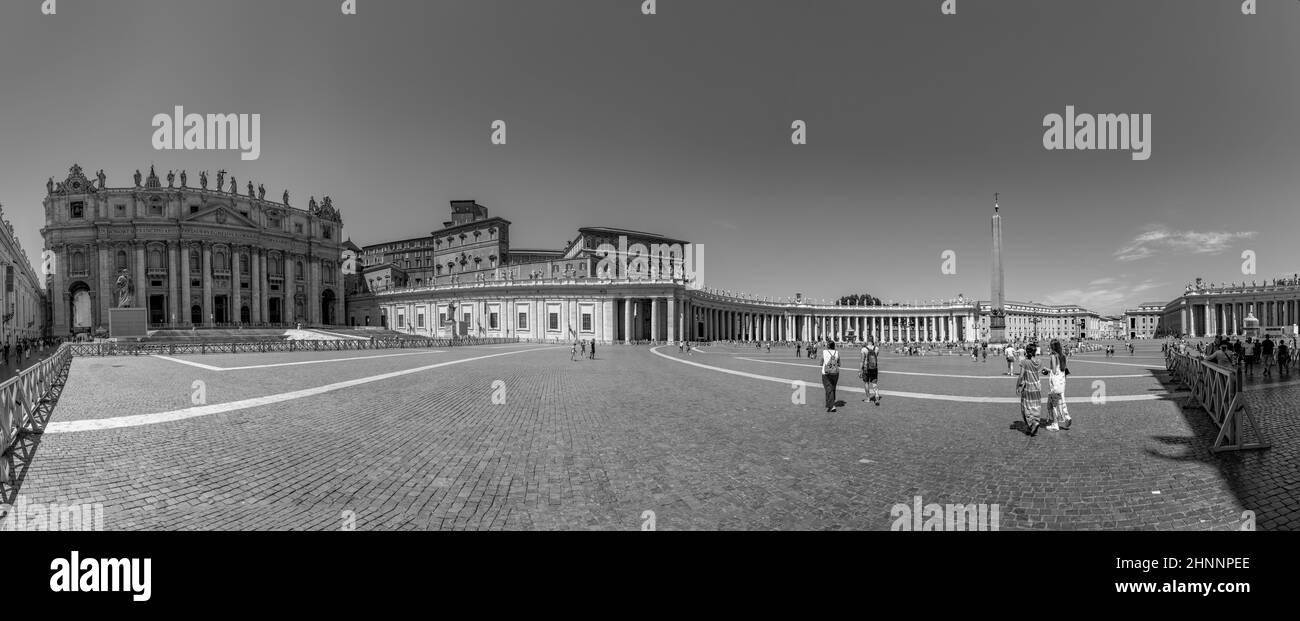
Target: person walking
592, 350
1056, 372
1031, 396
984, 350
573, 352
1283, 358
1010, 353
830, 374
870, 372
1266, 351
1249, 354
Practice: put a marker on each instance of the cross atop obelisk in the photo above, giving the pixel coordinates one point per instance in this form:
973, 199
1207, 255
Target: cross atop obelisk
997, 312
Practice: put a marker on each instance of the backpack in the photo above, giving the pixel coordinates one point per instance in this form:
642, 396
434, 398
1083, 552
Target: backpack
832, 365
872, 362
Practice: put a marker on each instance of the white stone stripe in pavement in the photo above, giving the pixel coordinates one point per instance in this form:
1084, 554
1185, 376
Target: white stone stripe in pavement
290, 364
205, 410
992, 377
919, 395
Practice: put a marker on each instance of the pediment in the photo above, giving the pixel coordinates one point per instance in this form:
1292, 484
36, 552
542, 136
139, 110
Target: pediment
221, 215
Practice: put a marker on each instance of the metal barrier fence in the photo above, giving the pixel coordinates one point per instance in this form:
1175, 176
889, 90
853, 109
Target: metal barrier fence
21, 397
171, 349
1217, 390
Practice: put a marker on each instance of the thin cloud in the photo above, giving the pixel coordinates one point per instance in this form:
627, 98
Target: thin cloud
1106, 300
1157, 239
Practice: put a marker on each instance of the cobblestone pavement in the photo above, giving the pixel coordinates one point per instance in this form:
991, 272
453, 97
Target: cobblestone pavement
595, 444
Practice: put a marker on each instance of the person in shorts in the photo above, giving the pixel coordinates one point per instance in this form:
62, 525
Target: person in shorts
870, 372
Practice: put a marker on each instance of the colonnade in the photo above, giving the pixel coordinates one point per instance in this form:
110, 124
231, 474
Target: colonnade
1228, 317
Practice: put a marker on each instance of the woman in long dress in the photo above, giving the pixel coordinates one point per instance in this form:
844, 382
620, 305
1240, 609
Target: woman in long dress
1031, 395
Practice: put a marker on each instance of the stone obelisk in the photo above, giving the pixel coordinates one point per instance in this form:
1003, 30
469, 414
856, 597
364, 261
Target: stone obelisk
997, 310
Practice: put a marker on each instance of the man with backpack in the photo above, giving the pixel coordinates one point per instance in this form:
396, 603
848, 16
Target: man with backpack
830, 373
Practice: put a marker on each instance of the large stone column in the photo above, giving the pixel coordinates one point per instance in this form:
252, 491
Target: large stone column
654, 319
104, 289
290, 314
266, 287
627, 320
314, 290
207, 284
173, 282
254, 286
185, 303
141, 278
672, 320
236, 292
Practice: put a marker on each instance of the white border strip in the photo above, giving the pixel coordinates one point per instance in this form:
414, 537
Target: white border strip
206, 410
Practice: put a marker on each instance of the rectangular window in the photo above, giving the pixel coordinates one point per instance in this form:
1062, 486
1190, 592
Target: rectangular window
401, 320
492, 321
468, 318
522, 324
553, 321
442, 317
588, 312
419, 319
78, 209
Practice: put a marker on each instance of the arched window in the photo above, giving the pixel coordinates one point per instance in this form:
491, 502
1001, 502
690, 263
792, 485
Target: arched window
196, 264
297, 271
78, 262
155, 259
121, 259
219, 260
243, 263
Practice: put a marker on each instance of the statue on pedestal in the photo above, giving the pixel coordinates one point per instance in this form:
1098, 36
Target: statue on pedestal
221, 177
171, 179
137, 177
125, 290
261, 192
184, 179
250, 190
203, 179
234, 185
49, 186
286, 197
103, 179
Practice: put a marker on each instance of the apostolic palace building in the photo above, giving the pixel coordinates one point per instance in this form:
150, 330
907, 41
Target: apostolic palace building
465, 278
193, 256
22, 307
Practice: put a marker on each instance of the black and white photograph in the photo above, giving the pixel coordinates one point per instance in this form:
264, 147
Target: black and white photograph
430, 266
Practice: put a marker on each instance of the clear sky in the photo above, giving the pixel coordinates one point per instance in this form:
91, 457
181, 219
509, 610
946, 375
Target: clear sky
679, 123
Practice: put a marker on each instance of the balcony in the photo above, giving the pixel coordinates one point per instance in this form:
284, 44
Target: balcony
156, 272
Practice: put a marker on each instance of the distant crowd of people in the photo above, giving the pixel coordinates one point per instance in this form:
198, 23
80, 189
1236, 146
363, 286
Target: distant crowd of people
1250, 353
